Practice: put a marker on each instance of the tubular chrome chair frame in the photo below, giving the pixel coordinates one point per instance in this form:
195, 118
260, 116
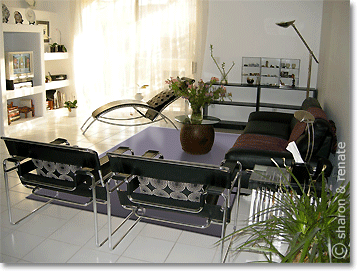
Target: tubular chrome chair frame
216, 180
88, 173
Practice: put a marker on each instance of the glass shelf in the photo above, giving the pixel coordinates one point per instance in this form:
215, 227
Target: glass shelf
270, 71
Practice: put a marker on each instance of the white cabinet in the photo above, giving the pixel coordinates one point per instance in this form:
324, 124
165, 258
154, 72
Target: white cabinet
19, 37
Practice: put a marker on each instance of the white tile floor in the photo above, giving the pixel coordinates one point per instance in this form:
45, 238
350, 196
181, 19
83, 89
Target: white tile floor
58, 234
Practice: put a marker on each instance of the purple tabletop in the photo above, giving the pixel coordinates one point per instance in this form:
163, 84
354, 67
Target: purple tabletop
167, 142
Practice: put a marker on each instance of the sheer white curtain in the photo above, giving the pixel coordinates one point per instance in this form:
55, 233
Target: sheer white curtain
122, 44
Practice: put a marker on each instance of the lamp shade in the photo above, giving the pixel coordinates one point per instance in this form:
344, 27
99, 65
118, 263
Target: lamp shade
304, 116
285, 24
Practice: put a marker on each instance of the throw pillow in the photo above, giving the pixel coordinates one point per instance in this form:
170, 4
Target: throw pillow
300, 127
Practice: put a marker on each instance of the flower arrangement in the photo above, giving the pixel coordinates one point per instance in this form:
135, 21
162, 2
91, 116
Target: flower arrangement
223, 73
198, 95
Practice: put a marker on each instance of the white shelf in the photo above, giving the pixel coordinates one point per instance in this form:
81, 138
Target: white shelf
56, 56
12, 94
57, 84
21, 28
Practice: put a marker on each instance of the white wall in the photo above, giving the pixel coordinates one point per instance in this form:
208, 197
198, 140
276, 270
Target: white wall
238, 28
334, 74
3, 111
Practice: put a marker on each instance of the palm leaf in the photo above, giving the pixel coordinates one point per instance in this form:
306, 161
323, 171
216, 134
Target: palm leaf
307, 225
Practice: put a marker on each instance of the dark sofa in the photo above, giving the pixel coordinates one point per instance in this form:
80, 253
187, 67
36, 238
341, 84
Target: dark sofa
267, 135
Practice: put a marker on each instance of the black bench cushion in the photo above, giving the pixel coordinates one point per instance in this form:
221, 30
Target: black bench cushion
260, 142
275, 129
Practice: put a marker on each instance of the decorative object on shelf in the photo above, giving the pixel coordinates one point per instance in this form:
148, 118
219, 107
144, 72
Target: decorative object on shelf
26, 106
270, 71
31, 3
224, 74
48, 78
250, 80
46, 30
58, 77
13, 113
30, 16
18, 17
292, 23
54, 47
198, 95
71, 106
60, 47
293, 81
5, 14
139, 95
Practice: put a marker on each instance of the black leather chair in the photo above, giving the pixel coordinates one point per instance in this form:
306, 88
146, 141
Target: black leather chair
146, 112
199, 190
59, 168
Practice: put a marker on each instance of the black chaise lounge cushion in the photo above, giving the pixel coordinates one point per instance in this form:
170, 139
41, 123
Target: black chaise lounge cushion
159, 102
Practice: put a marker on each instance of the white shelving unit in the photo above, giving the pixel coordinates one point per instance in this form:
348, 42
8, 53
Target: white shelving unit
24, 92
54, 63
270, 71
56, 56
21, 37
57, 84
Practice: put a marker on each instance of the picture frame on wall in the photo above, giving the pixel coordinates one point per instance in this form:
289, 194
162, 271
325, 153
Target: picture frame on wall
46, 30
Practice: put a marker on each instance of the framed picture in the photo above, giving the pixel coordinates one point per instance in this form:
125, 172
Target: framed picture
46, 29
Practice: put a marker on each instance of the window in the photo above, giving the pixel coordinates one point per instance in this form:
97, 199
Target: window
123, 44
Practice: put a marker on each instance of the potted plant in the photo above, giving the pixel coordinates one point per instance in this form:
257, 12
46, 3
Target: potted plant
71, 106
54, 47
311, 232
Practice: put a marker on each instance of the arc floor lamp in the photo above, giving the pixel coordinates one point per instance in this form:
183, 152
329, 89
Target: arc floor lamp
292, 23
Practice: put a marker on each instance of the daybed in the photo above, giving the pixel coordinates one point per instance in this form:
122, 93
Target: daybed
267, 135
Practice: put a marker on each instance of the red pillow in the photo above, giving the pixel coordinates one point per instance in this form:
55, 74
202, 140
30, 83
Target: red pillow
300, 127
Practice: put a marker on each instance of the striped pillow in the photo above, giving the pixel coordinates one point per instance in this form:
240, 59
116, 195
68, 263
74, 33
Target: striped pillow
260, 142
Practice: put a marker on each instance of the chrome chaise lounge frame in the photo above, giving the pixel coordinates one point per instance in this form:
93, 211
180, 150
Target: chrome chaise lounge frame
150, 110
99, 114
216, 180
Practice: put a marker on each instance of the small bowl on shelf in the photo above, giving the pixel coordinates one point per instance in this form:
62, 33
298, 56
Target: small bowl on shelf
250, 80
